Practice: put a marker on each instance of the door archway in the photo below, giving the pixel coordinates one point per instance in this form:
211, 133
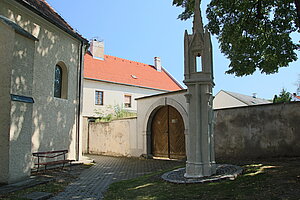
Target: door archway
167, 134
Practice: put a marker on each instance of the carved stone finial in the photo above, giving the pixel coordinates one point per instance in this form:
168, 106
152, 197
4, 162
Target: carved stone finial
197, 23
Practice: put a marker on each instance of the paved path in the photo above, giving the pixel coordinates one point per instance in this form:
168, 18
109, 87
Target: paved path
93, 182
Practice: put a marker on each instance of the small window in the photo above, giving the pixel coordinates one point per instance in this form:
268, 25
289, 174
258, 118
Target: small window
60, 87
58, 81
99, 97
127, 101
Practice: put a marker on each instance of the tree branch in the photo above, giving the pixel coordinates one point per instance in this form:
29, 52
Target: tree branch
297, 3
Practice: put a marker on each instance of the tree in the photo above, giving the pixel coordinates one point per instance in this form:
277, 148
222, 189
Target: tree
253, 34
284, 96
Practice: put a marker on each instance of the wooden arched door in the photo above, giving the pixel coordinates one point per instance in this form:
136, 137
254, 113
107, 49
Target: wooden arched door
168, 138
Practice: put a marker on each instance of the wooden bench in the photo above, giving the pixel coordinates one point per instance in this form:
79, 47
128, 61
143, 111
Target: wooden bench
51, 158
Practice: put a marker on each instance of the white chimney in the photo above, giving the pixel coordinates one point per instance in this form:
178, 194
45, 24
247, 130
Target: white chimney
97, 49
157, 64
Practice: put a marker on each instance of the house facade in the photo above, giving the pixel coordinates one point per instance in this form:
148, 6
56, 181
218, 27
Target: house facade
226, 99
111, 82
41, 63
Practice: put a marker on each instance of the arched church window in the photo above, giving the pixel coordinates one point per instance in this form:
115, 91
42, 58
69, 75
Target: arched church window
61, 81
58, 81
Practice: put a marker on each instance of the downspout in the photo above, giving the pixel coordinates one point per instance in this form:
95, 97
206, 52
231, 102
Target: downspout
79, 101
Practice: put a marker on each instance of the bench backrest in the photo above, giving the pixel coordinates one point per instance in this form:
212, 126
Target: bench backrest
50, 154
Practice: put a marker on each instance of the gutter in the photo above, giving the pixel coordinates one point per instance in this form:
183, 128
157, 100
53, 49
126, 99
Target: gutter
79, 96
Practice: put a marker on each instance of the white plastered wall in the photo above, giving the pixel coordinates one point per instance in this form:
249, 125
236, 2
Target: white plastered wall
17, 55
54, 119
113, 95
224, 100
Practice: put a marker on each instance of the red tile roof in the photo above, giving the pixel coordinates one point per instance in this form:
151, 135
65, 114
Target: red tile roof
118, 70
42, 8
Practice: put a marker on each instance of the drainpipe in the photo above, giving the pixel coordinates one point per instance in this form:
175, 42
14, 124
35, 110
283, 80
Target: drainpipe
82, 46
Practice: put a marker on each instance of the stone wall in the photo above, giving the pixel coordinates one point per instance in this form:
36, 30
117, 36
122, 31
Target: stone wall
258, 131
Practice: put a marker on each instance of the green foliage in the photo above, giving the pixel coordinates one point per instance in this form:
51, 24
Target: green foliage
117, 112
188, 5
253, 34
284, 96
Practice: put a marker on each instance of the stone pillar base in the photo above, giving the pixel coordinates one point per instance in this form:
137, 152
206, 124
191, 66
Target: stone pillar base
198, 170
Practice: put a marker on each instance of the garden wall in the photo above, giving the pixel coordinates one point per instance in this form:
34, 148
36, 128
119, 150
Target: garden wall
258, 131
250, 132
109, 138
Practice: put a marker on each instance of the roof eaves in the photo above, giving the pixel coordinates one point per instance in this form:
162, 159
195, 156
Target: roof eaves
162, 94
74, 34
92, 79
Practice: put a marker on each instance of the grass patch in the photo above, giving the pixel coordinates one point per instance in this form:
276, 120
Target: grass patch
53, 187
277, 179
61, 179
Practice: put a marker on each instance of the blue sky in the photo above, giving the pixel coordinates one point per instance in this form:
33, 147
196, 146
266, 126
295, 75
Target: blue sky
139, 30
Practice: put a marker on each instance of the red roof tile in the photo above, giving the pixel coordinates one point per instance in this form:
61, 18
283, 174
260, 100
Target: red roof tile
42, 8
118, 70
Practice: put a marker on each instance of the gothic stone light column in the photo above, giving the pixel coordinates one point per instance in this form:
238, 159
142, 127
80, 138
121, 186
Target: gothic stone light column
199, 81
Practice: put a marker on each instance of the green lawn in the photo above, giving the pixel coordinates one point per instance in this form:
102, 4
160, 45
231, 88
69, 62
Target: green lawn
261, 179
61, 179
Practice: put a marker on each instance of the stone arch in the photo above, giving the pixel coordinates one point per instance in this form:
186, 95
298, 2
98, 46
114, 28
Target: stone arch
164, 101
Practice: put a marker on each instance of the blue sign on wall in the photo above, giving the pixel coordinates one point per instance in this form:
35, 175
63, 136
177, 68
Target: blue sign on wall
21, 98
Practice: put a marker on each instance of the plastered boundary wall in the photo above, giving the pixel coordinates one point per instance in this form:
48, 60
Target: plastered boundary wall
109, 138
245, 132
258, 131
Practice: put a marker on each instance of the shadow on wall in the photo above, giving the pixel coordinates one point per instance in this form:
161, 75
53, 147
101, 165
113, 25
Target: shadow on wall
53, 119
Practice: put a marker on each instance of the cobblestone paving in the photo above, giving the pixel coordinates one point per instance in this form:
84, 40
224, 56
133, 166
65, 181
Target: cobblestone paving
93, 182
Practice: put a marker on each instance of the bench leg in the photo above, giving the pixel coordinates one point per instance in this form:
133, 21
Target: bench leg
38, 164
